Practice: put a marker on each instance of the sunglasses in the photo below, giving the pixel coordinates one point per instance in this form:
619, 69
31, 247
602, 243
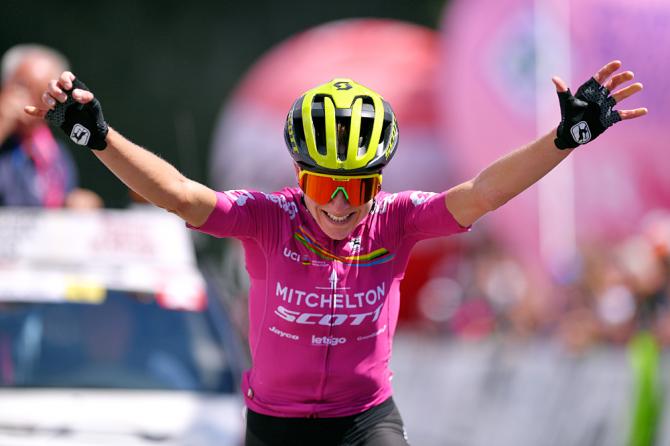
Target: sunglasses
322, 188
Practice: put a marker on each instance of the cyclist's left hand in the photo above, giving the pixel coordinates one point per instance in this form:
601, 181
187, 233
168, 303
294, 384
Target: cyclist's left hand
589, 112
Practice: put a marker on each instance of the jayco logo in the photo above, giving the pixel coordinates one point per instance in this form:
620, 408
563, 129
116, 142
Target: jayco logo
80, 134
283, 334
581, 132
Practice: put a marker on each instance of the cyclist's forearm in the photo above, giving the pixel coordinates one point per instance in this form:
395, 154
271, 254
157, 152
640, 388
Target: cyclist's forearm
504, 179
155, 179
515, 172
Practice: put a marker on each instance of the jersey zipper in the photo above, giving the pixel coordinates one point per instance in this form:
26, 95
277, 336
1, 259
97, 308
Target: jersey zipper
333, 280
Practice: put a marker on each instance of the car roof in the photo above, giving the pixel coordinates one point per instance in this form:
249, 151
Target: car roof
67, 255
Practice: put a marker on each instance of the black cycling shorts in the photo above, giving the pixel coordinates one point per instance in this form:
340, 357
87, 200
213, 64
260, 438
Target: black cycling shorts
378, 426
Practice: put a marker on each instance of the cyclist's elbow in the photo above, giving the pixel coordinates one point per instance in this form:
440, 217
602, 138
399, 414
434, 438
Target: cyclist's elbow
193, 202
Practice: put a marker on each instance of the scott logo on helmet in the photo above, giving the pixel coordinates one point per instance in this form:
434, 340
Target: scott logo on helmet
291, 135
391, 143
342, 85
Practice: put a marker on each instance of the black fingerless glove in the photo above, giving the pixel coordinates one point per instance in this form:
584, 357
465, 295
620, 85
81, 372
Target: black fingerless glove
585, 115
82, 123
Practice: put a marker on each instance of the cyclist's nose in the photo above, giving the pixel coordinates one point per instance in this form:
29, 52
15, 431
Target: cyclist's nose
339, 201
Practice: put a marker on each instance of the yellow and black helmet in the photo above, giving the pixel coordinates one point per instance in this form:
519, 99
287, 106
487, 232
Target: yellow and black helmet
341, 128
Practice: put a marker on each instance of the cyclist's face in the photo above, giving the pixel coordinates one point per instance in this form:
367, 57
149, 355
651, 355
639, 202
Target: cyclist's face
338, 218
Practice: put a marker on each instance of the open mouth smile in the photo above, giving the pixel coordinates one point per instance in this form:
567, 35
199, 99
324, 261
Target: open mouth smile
339, 220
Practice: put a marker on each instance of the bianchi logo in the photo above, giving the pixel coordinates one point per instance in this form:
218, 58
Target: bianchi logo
581, 132
80, 135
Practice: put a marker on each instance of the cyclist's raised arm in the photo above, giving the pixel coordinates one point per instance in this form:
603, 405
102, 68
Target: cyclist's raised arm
504, 179
584, 116
157, 180
69, 105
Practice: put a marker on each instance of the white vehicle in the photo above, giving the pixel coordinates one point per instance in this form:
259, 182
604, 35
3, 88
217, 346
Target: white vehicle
110, 335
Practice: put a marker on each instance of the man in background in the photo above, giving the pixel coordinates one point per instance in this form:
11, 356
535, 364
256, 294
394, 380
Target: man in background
35, 170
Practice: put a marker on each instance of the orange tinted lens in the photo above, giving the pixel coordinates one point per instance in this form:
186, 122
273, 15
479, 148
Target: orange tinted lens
317, 188
323, 189
364, 191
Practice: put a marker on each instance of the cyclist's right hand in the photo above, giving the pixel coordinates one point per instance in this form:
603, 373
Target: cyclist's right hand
70, 105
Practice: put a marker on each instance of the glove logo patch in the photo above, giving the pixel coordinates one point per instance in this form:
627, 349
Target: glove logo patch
581, 132
80, 134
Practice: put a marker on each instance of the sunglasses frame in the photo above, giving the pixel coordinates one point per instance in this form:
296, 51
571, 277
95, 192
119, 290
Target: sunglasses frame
339, 178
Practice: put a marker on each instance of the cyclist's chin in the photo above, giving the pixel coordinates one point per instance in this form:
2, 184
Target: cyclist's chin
337, 233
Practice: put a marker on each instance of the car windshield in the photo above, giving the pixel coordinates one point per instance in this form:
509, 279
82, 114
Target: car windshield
127, 341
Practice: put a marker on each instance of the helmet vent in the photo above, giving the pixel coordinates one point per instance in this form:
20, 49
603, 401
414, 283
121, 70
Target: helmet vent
319, 124
299, 132
342, 128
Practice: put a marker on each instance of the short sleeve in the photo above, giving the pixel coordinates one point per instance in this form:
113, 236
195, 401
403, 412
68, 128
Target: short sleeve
425, 215
238, 213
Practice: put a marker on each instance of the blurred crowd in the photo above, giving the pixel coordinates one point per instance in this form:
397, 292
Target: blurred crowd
477, 289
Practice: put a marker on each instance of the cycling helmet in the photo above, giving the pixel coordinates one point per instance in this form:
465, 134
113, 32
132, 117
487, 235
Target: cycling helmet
341, 128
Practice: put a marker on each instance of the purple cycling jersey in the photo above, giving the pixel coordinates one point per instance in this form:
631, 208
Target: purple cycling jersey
323, 312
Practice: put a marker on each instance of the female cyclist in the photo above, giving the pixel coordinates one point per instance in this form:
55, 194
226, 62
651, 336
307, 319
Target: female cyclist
325, 259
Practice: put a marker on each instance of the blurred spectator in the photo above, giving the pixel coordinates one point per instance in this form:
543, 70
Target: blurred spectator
35, 170
481, 289
624, 289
